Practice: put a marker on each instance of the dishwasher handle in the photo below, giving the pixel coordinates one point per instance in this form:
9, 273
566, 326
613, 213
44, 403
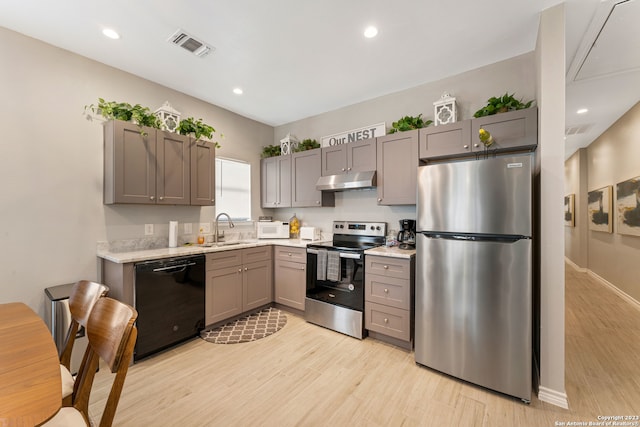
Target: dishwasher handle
176, 267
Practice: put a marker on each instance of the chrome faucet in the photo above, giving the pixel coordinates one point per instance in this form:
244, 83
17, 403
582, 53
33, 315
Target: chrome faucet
215, 234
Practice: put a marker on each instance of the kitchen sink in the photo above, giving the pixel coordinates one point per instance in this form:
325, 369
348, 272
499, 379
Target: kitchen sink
230, 243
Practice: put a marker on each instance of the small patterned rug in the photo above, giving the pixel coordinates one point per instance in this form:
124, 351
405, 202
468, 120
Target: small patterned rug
249, 328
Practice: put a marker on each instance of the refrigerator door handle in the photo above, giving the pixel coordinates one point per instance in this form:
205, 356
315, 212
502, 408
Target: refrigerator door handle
474, 237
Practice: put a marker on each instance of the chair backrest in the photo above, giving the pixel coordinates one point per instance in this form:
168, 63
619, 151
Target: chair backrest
84, 295
112, 337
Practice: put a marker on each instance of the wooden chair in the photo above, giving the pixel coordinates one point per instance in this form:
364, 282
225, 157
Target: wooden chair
83, 296
112, 337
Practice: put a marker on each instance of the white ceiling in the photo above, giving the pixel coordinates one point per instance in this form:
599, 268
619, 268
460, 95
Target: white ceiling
296, 59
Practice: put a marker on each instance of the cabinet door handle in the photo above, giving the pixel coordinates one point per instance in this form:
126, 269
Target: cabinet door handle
348, 169
386, 320
386, 267
213, 200
289, 254
386, 291
466, 147
342, 169
379, 200
152, 197
239, 270
246, 269
317, 202
476, 145
161, 198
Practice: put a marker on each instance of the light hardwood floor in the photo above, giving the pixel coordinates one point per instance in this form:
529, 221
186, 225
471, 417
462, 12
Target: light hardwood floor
305, 375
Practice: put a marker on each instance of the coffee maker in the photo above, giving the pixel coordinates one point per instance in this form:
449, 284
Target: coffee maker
407, 234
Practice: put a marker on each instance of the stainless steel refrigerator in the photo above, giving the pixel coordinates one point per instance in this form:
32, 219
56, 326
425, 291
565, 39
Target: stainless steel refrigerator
474, 272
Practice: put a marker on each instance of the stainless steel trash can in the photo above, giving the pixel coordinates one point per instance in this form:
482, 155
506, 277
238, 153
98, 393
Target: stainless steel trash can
58, 319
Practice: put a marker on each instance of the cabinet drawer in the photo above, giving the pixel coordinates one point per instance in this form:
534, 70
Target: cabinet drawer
388, 291
224, 259
286, 253
388, 267
260, 253
389, 321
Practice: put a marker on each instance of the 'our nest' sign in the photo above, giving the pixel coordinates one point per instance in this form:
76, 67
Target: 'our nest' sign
366, 132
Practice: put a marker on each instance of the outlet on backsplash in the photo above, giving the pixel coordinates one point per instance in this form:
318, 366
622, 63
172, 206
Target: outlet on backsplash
148, 229
205, 227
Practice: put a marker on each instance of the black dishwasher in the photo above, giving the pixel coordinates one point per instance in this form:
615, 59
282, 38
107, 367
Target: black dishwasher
169, 297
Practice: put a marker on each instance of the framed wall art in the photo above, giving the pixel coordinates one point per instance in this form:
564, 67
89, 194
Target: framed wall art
569, 210
628, 207
599, 209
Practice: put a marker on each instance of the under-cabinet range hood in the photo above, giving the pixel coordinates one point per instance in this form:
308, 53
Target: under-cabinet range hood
349, 181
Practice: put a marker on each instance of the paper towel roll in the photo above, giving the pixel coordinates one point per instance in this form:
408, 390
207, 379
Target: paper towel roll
173, 234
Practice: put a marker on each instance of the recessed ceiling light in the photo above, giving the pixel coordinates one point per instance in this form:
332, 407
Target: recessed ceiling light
370, 32
582, 111
237, 91
111, 33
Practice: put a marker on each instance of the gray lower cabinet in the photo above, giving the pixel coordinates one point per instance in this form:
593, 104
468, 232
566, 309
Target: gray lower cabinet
305, 170
389, 297
397, 160
357, 156
237, 281
290, 276
512, 131
275, 182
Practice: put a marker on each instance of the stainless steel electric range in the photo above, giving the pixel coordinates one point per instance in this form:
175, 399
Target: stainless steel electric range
335, 276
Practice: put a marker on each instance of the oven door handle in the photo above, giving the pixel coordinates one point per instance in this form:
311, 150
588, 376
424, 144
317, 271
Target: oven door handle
342, 254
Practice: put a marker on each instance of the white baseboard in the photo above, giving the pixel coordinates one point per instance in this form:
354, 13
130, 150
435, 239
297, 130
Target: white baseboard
575, 266
615, 289
553, 397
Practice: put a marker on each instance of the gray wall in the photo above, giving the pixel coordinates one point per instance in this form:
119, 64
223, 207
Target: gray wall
610, 159
575, 182
52, 212
471, 89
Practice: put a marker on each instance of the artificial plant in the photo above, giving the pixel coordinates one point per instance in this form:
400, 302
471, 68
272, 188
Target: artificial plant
502, 104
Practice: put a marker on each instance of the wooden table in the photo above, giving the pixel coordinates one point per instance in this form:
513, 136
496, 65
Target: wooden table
30, 389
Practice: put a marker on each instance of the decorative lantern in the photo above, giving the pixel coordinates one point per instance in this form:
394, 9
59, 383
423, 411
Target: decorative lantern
445, 110
288, 144
169, 117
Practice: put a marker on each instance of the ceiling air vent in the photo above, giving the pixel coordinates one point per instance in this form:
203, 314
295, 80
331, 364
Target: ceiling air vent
190, 43
577, 129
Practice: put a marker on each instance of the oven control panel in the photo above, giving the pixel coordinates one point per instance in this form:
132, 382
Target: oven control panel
360, 228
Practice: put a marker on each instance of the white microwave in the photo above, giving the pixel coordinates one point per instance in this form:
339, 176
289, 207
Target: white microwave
273, 230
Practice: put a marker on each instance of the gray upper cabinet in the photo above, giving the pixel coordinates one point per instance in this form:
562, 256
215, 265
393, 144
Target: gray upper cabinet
275, 183
173, 168
445, 140
305, 171
512, 131
355, 156
203, 163
145, 165
397, 168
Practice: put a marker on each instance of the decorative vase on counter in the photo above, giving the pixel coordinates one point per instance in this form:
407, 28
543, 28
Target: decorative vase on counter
294, 227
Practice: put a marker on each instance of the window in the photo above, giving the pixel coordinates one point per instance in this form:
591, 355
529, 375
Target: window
233, 188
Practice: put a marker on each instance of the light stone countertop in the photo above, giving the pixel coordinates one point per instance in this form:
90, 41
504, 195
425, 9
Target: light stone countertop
152, 254
393, 252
